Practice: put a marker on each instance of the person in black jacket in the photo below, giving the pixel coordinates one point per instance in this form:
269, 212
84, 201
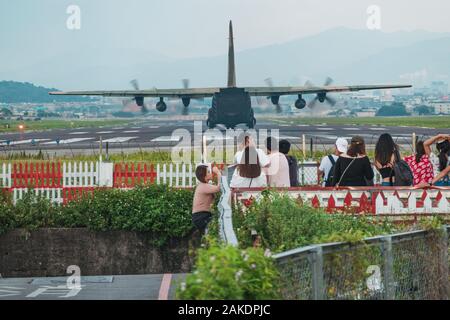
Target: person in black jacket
353, 168
285, 147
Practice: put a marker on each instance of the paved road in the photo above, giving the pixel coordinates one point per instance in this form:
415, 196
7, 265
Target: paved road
136, 287
160, 134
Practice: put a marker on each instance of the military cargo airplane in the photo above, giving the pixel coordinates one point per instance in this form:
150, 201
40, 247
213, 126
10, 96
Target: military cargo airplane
231, 105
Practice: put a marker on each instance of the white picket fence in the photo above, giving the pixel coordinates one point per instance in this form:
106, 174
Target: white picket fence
176, 175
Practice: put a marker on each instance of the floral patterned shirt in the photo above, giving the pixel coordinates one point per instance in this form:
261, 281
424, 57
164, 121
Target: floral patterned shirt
422, 171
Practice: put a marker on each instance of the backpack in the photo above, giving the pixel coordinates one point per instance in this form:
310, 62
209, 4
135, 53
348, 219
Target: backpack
403, 174
329, 181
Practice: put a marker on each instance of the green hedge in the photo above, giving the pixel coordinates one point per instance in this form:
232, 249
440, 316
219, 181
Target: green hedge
229, 273
161, 210
284, 224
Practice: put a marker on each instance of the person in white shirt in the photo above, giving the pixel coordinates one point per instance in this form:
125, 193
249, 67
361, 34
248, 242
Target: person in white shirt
248, 173
278, 170
327, 163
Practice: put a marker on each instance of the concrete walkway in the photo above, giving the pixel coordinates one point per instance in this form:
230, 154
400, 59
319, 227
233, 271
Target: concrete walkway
132, 287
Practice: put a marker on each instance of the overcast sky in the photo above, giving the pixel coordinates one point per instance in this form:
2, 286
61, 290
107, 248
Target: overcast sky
187, 28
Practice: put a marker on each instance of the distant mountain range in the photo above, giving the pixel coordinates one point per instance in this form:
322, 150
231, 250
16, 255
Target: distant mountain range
349, 56
19, 92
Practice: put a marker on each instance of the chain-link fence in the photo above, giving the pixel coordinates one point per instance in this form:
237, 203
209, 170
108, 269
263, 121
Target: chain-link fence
408, 266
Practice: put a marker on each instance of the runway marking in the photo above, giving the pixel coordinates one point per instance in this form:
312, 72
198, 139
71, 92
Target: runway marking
153, 127
289, 138
75, 133
25, 141
221, 137
378, 129
119, 139
167, 139
165, 287
131, 131
353, 129
331, 137
324, 129
105, 132
68, 141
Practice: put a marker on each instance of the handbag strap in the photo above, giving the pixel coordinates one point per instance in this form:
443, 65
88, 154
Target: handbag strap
345, 171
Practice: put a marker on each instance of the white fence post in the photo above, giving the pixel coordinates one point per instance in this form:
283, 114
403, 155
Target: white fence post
105, 174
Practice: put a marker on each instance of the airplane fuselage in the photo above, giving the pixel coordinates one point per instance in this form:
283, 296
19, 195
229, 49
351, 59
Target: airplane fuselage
230, 107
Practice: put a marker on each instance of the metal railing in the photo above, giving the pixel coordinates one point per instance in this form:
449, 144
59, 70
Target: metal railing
411, 266
405, 266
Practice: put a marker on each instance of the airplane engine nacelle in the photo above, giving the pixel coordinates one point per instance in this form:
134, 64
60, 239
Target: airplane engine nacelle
186, 101
321, 97
300, 103
275, 99
161, 106
139, 101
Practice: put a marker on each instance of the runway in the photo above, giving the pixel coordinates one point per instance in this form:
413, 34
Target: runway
159, 135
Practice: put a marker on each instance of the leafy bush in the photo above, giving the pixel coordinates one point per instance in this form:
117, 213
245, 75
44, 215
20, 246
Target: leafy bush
229, 273
163, 211
284, 224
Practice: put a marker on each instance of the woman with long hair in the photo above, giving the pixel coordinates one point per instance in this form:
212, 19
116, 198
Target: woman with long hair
441, 163
248, 172
353, 168
421, 166
443, 179
386, 154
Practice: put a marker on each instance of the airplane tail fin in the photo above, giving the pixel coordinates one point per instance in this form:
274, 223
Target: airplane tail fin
231, 66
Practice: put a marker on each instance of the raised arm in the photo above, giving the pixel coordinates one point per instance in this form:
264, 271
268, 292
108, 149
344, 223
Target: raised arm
427, 144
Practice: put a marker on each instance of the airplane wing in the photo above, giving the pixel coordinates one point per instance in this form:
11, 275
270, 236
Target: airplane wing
280, 91
156, 93
209, 92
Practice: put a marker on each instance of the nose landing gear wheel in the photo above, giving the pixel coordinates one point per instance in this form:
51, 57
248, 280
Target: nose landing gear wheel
252, 123
209, 124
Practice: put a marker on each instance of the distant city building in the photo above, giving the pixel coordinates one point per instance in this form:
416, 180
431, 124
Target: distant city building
441, 107
366, 113
439, 88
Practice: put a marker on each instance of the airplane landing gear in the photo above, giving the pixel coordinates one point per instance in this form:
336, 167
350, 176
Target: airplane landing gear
251, 124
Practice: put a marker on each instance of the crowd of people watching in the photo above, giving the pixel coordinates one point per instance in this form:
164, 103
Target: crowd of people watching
347, 166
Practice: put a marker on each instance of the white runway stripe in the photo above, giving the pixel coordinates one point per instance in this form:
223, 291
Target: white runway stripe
12, 143
105, 132
289, 138
77, 133
119, 139
68, 141
378, 129
167, 139
352, 129
131, 131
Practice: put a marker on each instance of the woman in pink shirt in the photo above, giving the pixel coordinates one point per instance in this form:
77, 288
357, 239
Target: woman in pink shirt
204, 196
